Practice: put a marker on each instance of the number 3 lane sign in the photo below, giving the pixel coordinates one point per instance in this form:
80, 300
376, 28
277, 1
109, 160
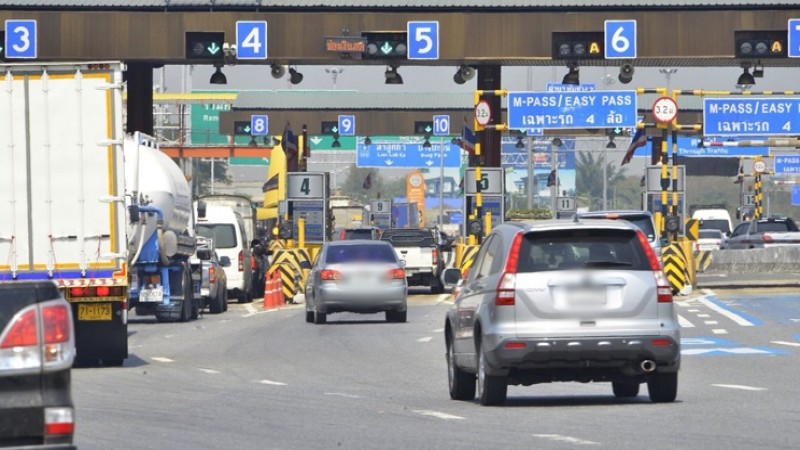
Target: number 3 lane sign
423, 40
20, 42
620, 39
251, 39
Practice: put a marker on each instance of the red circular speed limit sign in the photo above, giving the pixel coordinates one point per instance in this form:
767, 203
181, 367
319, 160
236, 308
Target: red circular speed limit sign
760, 166
665, 110
483, 113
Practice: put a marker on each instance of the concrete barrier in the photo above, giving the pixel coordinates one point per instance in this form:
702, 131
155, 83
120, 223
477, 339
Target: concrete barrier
773, 260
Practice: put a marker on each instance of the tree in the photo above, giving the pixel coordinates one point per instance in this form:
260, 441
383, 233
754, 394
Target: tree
589, 179
354, 185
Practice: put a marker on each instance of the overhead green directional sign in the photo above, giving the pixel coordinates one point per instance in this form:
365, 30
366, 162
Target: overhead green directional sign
204, 45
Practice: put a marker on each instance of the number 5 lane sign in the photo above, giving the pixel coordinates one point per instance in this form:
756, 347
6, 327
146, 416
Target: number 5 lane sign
251, 39
620, 39
20, 41
423, 40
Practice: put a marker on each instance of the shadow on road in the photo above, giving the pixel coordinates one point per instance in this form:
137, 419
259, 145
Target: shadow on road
591, 400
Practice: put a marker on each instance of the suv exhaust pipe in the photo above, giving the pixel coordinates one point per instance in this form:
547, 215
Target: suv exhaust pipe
647, 366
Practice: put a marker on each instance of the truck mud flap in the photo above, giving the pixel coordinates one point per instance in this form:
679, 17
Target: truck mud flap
105, 340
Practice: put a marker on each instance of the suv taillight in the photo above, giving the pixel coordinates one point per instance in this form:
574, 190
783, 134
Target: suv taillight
663, 289
59, 421
212, 275
507, 286
21, 347
396, 274
241, 260
435, 256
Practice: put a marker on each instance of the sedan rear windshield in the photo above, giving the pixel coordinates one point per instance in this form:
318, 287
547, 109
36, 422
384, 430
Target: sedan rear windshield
357, 234
710, 234
223, 234
582, 249
338, 254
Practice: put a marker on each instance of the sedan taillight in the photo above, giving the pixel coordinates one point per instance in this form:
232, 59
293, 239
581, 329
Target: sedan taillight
212, 275
330, 275
396, 274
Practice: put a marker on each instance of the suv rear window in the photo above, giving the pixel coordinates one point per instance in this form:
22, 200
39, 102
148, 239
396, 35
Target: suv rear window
409, 238
357, 234
360, 253
775, 226
223, 234
643, 222
710, 234
581, 249
715, 224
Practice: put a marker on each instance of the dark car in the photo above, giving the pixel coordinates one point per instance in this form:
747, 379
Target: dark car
37, 348
350, 233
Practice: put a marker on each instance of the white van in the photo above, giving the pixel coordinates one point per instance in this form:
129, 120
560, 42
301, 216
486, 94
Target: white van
714, 219
226, 227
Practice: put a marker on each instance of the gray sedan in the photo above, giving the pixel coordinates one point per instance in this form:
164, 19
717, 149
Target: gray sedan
358, 276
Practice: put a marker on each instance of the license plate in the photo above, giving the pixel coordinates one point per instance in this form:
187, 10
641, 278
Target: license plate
94, 311
587, 297
151, 295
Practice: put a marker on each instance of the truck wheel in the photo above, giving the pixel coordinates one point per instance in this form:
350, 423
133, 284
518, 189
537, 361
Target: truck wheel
396, 316
245, 296
216, 304
225, 299
113, 362
309, 316
320, 318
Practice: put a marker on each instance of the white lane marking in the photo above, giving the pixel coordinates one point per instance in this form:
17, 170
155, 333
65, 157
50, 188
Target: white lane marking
443, 297
684, 322
707, 291
703, 316
438, 330
733, 316
719, 331
425, 339
250, 308
437, 414
162, 359
790, 344
340, 394
739, 386
272, 383
711, 322
169, 336
566, 439
682, 304
693, 310
209, 371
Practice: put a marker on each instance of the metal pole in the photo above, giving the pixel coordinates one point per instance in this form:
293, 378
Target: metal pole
441, 182
212, 176
530, 187
605, 181
554, 187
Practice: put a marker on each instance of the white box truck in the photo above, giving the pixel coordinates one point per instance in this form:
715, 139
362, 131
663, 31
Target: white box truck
62, 205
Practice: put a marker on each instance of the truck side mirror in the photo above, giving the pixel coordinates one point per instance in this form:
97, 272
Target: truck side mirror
451, 277
225, 261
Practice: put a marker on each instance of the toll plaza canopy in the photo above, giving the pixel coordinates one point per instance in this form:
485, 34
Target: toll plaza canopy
500, 32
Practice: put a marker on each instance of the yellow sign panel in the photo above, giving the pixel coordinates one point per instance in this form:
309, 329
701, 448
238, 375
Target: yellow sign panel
594, 48
776, 47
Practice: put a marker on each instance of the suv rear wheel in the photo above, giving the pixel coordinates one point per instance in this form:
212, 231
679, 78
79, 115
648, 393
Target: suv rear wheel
492, 389
461, 384
663, 387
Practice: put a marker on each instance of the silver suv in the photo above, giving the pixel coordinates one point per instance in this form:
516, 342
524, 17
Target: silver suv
546, 301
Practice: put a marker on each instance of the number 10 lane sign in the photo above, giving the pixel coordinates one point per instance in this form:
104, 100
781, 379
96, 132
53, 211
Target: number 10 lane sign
751, 116
566, 110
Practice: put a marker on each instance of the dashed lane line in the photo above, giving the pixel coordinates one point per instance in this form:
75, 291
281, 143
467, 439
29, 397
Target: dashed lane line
437, 414
209, 371
711, 322
719, 331
693, 310
438, 330
425, 339
565, 439
684, 322
271, 383
162, 359
341, 394
790, 344
740, 387
730, 315
703, 316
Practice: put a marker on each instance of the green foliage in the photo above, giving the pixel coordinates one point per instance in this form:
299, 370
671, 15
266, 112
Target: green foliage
529, 214
353, 185
589, 179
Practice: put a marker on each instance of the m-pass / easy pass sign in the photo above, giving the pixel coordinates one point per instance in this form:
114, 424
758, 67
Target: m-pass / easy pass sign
251, 39
751, 116
20, 42
347, 125
566, 110
620, 39
423, 39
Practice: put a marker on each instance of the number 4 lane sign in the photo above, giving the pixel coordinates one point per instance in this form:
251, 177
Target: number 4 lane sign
423, 40
620, 39
20, 41
251, 39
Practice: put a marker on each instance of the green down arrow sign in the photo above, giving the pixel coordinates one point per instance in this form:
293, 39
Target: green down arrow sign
386, 48
213, 48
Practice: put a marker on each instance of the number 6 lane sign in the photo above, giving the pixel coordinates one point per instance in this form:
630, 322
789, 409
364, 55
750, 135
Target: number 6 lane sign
20, 42
620, 39
251, 39
423, 40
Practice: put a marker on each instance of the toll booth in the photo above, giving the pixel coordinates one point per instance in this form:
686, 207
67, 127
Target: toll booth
492, 188
655, 186
308, 197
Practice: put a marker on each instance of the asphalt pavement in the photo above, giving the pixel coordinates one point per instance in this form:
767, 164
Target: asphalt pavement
253, 379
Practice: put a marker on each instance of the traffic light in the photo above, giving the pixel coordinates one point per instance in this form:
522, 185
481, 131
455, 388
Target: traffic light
286, 230
578, 45
241, 128
2, 44
385, 45
204, 45
423, 127
329, 127
551, 178
760, 44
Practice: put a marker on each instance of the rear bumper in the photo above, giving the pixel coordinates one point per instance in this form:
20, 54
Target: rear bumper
336, 299
609, 354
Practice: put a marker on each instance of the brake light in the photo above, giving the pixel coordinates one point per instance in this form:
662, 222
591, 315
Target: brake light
397, 274
514, 345
661, 342
103, 291
652, 258
59, 421
241, 260
435, 256
507, 286
212, 275
56, 324
663, 289
252, 262
23, 332
330, 275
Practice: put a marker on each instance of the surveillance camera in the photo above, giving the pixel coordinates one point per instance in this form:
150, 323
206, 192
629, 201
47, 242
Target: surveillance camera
226, 47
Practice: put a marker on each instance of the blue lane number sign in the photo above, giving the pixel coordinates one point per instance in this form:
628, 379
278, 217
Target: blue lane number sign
441, 125
793, 39
259, 125
347, 125
20, 42
423, 40
251, 39
620, 39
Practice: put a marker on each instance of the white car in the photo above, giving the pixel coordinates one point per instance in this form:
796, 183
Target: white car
709, 240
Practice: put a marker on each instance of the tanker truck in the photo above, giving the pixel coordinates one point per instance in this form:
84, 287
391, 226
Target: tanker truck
160, 236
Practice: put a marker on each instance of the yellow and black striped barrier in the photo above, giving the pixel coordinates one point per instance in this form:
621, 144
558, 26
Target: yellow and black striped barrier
702, 260
287, 263
465, 254
674, 262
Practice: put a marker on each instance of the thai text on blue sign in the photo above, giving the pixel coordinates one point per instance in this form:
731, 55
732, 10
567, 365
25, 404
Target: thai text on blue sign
561, 87
796, 195
566, 110
407, 153
751, 116
787, 164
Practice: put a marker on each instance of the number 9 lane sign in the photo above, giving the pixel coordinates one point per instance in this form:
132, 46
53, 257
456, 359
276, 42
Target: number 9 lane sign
20, 41
251, 39
620, 39
347, 125
423, 40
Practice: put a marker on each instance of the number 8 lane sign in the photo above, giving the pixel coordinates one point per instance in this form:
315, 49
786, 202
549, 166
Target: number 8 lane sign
620, 39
